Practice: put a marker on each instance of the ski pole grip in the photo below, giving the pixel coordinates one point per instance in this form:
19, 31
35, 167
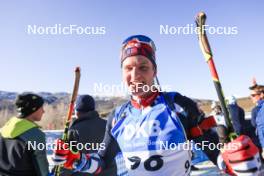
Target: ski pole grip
204, 44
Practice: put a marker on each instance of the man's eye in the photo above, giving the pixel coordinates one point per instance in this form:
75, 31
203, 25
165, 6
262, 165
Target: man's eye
128, 68
143, 68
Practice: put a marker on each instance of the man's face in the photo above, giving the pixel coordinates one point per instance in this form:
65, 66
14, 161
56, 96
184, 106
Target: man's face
255, 96
138, 74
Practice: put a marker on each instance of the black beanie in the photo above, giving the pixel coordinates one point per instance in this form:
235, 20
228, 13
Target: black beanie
27, 103
85, 103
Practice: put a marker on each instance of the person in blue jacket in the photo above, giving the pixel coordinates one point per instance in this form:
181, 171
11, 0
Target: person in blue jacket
257, 97
258, 114
152, 128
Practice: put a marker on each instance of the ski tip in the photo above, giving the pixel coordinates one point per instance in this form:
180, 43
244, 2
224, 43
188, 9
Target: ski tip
77, 69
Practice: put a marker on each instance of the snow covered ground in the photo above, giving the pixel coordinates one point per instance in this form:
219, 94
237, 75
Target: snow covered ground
206, 168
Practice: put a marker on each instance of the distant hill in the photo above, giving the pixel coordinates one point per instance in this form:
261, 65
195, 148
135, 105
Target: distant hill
56, 107
244, 102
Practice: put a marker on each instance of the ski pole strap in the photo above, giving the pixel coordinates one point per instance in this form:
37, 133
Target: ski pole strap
208, 123
202, 127
195, 132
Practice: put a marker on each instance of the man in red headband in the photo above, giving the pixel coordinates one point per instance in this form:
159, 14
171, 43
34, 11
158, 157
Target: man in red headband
151, 129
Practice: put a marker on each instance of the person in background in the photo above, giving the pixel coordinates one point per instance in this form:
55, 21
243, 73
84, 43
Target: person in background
221, 128
257, 97
218, 114
237, 115
256, 94
17, 157
88, 129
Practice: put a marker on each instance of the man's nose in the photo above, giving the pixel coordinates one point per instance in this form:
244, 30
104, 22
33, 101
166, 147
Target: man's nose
134, 73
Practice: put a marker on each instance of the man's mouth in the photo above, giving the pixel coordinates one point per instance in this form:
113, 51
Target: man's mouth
136, 87
137, 84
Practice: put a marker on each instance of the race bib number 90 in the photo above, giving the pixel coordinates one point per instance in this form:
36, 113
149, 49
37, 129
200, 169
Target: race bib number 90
153, 163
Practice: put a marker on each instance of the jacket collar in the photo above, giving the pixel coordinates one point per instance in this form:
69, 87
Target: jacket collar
260, 102
144, 102
16, 126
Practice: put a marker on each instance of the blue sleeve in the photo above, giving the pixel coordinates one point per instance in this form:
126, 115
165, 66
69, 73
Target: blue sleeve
260, 125
111, 146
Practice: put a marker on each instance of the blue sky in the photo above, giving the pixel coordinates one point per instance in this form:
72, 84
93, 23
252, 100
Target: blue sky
46, 62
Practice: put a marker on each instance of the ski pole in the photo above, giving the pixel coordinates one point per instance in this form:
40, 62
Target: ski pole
70, 111
206, 50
